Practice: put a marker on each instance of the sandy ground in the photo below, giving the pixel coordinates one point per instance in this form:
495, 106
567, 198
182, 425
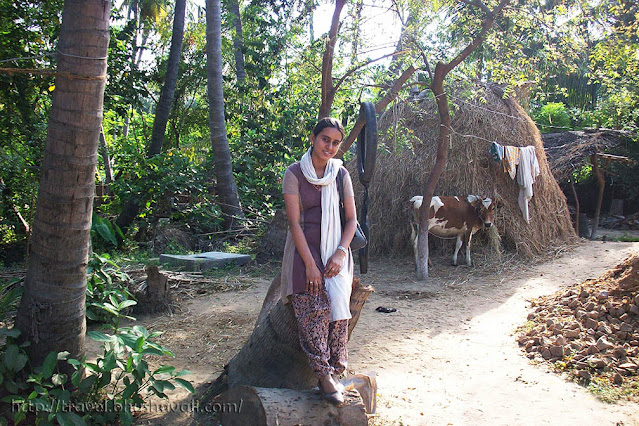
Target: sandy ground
448, 356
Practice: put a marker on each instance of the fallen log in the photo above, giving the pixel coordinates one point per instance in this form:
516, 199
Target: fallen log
249, 405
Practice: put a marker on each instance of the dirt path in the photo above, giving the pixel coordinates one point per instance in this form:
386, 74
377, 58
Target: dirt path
452, 359
448, 356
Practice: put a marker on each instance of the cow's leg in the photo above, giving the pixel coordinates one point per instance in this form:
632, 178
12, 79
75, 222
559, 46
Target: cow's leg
457, 247
468, 237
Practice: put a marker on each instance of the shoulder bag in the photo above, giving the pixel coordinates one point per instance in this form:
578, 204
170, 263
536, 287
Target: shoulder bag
359, 239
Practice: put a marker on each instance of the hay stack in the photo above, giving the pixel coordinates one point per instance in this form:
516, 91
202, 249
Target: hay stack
408, 135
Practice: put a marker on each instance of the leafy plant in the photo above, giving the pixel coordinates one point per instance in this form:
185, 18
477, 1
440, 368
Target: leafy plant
10, 295
122, 373
553, 117
107, 289
33, 390
118, 380
104, 234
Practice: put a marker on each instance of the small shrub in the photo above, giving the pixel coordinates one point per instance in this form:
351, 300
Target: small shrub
553, 117
107, 287
103, 392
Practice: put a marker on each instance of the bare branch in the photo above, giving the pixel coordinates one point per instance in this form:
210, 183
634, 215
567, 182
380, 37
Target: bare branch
328, 91
477, 3
362, 65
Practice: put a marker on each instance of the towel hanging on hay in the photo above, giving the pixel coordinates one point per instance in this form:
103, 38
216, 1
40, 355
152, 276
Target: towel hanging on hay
520, 162
527, 172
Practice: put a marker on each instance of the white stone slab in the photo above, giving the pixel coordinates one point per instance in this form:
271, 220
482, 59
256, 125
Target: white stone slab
203, 261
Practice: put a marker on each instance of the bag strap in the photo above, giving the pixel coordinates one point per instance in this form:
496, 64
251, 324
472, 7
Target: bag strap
340, 190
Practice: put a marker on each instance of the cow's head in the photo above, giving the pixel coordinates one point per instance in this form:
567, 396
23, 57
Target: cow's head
485, 208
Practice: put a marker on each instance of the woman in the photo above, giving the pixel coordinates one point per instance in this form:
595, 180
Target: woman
317, 269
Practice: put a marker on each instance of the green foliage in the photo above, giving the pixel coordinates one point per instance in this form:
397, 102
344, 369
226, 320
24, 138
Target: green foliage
37, 394
10, 294
101, 392
123, 372
29, 34
104, 234
552, 117
107, 293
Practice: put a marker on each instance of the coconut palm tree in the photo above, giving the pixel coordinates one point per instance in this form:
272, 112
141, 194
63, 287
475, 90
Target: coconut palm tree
170, 81
132, 207
51, 314
226, 187
238, 40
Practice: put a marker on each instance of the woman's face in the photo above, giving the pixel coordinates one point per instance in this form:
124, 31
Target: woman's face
326, 143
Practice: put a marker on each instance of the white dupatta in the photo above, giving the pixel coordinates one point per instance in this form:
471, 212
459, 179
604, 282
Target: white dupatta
339, 286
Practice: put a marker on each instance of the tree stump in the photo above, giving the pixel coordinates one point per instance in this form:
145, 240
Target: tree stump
272, 356
154, 297
248, 405
273, 242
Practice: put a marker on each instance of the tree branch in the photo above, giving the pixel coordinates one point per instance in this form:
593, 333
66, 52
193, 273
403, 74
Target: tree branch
328, 91
379, 107
486, 24
370, 61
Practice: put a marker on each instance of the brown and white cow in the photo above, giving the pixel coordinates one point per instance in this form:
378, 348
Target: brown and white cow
455, 217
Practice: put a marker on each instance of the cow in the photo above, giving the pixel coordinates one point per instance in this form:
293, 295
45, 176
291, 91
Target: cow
455, 217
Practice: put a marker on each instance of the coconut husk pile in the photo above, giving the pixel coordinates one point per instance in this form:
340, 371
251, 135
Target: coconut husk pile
592, 328
408, 134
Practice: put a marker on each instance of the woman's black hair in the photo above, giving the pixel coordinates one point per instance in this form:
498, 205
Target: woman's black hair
328, 122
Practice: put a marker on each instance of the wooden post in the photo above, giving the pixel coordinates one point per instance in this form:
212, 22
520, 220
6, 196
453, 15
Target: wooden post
602, 183
574, 193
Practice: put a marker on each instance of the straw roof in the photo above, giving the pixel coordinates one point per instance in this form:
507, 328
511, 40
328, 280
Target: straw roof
568, 151
408, 134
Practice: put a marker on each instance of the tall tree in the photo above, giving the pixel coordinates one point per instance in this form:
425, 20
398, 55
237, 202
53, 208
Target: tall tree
226, 187
442, 69
238, 40
162, 110
52, 311
165, 102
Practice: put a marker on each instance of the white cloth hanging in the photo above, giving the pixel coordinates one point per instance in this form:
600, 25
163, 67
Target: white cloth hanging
527, 172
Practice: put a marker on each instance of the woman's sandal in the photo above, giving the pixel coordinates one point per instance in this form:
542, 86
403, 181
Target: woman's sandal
335, 398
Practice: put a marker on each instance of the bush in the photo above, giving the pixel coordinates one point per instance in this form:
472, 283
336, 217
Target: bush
552, 117
107, 287
101, 392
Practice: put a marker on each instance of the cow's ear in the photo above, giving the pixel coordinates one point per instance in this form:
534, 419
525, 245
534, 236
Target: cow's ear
476, 202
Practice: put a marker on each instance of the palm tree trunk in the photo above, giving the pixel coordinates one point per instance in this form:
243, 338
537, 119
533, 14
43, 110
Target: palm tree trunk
226, 187
132, 207
238, 41
51, 314
165, 102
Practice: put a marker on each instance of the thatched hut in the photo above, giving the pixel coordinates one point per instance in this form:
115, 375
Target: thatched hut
408, 135
570, 151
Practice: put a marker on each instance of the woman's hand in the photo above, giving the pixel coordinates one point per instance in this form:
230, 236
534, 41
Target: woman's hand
313, 279
334, 264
